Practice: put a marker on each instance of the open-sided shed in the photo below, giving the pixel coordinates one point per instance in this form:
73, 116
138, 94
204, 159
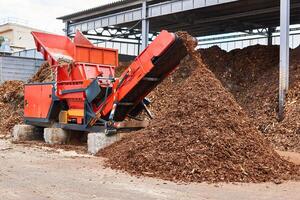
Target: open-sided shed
132, 21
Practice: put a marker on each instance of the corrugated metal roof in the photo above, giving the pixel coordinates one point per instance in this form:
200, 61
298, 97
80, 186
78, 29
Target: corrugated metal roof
99, 8
107, 8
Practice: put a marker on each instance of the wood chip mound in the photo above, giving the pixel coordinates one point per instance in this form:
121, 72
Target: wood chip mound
11, 105
251, 75
44, 74
121, 68
200, 135
12, 99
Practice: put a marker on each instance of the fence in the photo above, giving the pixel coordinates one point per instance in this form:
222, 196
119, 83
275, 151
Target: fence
18, 68
30, 53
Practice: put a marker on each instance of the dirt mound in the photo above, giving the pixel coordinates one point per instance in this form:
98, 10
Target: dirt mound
202, 134
251, 75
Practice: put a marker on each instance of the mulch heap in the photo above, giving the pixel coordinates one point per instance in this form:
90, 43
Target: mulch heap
251, 75
201, 134
44, 74
11, 105
12, 99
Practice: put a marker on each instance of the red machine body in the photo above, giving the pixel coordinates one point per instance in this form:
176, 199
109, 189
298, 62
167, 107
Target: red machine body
38, 100
86, 93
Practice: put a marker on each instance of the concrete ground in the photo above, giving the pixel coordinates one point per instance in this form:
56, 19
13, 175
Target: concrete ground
43, 173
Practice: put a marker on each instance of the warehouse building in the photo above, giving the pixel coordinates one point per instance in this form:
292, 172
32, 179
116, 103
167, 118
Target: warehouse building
129, 25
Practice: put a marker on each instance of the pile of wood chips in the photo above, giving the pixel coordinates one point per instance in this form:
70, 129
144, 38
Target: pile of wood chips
200, 134
11, 105
251, 75
209, 118
12, 99
44, 74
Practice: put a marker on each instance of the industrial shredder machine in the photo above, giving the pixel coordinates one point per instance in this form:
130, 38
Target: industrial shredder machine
86, 95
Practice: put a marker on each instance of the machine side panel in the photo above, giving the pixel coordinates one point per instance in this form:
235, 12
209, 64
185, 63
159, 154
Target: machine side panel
96, 55
37, 100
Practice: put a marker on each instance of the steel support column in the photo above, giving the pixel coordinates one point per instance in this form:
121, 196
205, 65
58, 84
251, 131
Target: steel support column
284, 54
145, 26
270, 36
67, 25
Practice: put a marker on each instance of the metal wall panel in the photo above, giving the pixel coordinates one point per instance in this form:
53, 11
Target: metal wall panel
18, 68
159, 9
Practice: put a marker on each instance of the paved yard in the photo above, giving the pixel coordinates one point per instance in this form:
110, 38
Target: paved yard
41, 173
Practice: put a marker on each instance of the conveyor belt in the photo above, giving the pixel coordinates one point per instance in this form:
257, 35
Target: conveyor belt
163, 65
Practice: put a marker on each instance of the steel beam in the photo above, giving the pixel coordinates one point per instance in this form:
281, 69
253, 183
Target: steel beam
134, 15
145, 26
212, 40
284, 55
202, 42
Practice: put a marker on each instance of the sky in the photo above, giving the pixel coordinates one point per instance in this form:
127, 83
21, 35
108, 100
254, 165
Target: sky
42, 14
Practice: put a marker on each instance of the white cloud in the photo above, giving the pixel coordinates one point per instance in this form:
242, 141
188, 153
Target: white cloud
42, 14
